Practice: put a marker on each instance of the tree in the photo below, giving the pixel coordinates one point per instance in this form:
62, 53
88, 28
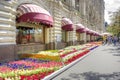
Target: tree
114, 27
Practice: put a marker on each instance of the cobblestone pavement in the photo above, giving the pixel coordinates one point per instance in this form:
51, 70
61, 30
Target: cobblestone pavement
103, 63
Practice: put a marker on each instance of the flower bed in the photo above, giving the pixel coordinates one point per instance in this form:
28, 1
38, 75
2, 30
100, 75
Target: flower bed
38, 65
30, 74
28, 69
47, 55
41, 56
69, 58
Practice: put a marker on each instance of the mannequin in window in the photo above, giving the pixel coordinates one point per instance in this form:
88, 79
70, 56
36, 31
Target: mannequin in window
28, 37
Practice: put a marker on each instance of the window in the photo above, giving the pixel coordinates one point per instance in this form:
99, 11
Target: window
38, 34
27, 35
78, 36
64, 36
77, 5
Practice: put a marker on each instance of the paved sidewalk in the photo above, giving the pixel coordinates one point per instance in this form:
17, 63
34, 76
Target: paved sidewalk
103, 63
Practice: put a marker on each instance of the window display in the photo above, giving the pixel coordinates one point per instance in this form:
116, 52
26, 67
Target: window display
29, 35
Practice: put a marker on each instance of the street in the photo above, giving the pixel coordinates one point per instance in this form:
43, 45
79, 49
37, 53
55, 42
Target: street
103, 63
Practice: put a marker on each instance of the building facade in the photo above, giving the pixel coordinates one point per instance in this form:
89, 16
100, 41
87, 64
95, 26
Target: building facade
28, 26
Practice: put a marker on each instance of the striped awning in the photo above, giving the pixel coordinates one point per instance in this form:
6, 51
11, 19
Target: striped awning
67, 24
87, 30
91, 32
96, 33
106, 33
34, 13
79, 27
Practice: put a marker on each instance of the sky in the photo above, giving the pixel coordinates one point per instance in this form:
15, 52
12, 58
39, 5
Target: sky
110, 6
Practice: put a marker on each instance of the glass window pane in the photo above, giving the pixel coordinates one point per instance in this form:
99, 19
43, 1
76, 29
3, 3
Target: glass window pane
63, 36
38, 34
29, 35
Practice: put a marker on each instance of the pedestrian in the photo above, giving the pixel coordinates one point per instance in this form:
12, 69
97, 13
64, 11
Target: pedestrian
115, 39
110, 40
104, 39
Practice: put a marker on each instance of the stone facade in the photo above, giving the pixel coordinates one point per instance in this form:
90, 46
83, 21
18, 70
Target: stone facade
90, 13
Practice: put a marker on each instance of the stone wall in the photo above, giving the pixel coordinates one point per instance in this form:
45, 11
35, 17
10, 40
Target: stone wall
7, 53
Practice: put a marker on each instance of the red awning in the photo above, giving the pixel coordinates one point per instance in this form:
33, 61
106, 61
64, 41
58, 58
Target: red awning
80, 28
34, 13
67, 24
87, 30
91, 32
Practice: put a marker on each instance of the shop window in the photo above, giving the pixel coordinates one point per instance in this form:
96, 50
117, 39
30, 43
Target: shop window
26, 35
78, 36
81, 36
64, 36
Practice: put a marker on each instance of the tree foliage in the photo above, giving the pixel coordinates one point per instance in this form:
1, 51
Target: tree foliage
114, 27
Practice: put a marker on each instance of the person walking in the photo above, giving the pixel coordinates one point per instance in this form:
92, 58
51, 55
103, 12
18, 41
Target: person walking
110, 39
115, 39
104, 39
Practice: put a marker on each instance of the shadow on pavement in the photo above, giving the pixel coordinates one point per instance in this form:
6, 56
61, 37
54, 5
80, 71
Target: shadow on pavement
108, 49
115, 50
119, 61
116, 54
93, 76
